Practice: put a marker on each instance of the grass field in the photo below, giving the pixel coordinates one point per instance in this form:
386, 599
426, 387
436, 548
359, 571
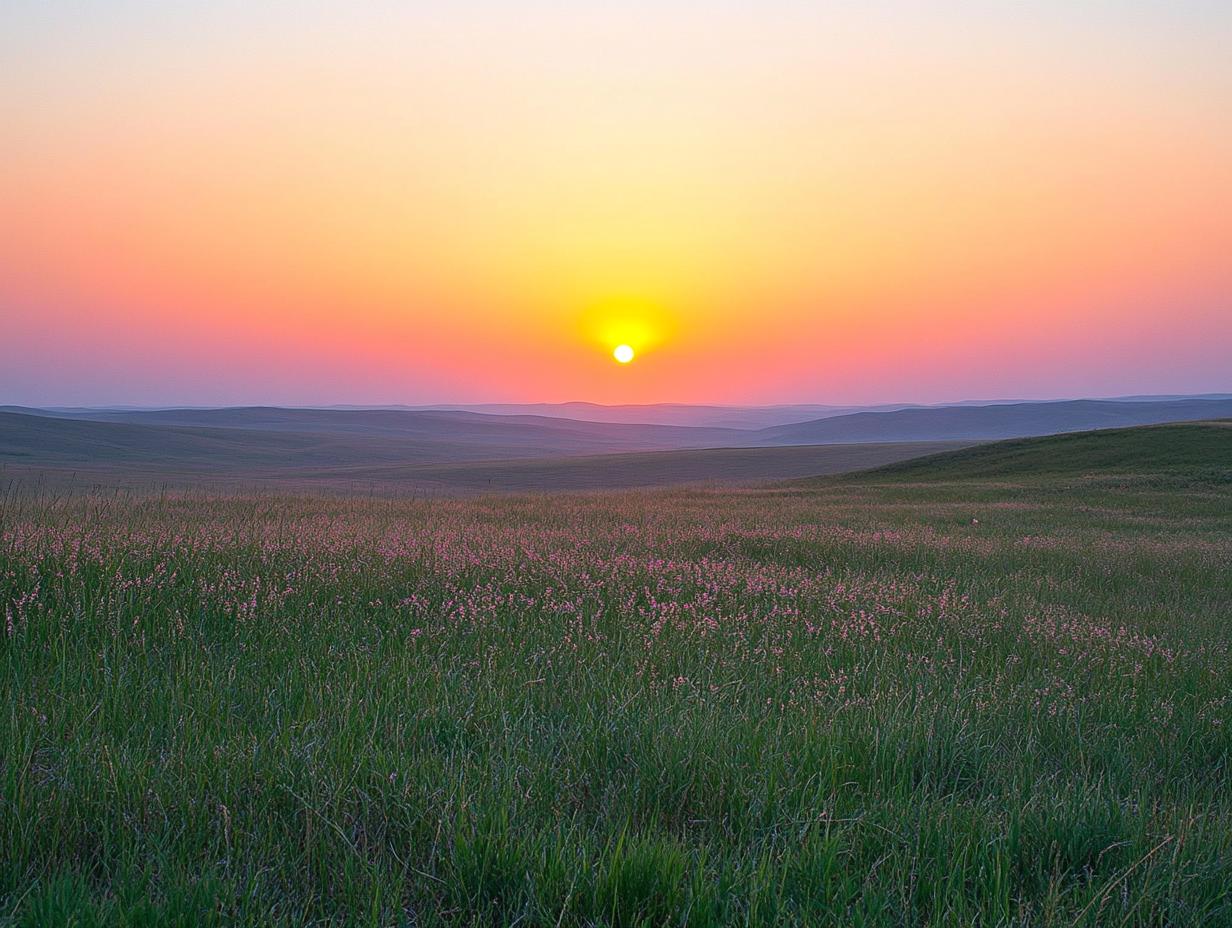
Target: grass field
980, 691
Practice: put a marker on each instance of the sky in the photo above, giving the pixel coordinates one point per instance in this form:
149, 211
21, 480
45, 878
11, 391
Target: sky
772, 201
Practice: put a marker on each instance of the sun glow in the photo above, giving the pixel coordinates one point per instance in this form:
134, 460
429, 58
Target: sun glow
767, 203
623, 354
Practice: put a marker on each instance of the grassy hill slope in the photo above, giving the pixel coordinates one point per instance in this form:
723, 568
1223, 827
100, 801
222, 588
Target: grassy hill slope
1189, 450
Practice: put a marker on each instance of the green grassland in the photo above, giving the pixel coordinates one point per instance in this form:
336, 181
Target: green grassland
1178, 454
991, 687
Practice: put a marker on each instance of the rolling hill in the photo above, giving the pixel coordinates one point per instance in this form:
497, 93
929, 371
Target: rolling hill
508, 430
468, 451
626, 471
457, 455
1198, 451
989, 423
696, 416
421, 435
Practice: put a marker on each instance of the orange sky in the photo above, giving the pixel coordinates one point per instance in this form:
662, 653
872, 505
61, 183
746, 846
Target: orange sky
476, 201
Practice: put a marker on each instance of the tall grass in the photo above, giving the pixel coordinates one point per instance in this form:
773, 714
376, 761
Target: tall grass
842, 705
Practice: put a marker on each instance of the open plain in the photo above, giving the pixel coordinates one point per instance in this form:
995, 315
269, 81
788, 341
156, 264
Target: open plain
911, 696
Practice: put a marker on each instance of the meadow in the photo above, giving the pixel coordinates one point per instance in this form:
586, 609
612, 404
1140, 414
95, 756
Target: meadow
873, 700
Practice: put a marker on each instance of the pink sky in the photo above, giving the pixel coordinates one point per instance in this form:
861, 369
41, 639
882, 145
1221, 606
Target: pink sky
771, 202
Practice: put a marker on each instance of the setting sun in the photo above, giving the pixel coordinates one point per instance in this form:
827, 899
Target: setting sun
623, 354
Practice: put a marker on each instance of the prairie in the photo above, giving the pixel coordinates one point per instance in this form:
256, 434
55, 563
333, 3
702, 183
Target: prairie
990, 687
376, 451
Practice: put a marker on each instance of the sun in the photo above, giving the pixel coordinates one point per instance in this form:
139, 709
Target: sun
623, 354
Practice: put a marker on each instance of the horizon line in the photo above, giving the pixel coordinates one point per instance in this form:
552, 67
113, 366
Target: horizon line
446, 405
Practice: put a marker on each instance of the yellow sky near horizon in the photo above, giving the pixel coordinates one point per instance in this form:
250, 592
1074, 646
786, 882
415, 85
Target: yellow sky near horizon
476, 202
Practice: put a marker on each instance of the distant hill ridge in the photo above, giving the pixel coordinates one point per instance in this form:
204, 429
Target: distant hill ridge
988, 423
278, 436
73, 453
523, 433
